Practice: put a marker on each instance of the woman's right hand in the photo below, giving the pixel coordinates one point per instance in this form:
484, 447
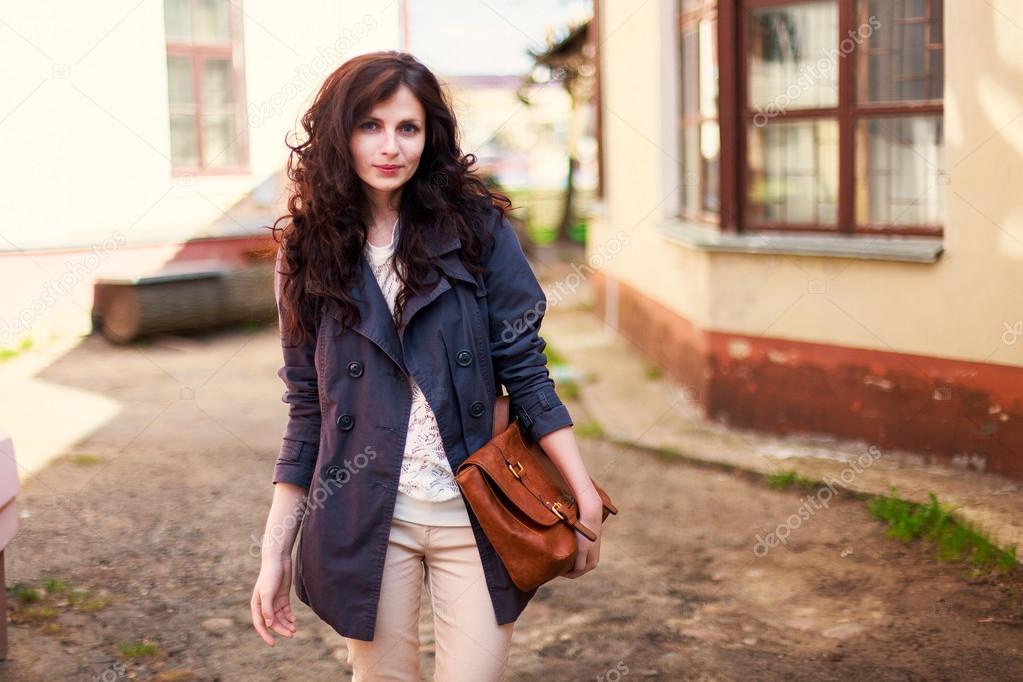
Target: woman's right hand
271, 600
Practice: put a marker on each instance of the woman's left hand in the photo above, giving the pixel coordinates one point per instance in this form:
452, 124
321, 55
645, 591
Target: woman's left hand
591, 515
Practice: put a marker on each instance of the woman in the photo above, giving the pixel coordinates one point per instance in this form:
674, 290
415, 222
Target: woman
405, 304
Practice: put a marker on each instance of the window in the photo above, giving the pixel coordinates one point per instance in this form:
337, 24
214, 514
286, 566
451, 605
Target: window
701, 137
205, 85
837, 114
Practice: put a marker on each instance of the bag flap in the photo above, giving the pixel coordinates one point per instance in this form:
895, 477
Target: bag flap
531, 493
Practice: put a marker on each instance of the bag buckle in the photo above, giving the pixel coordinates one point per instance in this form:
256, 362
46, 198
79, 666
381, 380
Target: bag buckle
514, 472
555, 507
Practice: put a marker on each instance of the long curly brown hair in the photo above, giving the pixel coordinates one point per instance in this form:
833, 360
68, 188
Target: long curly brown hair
329, 213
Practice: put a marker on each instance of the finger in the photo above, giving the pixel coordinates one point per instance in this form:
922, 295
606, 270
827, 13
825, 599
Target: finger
580, 561
258, 623
281, 619
266, 601
282, 629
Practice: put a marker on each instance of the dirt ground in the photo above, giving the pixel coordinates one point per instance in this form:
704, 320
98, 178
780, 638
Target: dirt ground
156, 511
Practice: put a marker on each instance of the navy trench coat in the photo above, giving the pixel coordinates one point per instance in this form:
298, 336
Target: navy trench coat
349, 401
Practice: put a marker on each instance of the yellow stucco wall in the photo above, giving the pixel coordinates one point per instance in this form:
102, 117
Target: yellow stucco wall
958, 307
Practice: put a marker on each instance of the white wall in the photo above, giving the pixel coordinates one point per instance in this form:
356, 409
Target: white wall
84, 123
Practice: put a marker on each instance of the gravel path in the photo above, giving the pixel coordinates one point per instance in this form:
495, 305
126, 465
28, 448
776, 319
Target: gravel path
154, 514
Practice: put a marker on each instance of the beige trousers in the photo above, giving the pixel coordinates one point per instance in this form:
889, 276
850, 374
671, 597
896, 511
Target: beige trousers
469, 643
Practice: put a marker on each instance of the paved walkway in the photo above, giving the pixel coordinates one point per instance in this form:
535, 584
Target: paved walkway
632, 408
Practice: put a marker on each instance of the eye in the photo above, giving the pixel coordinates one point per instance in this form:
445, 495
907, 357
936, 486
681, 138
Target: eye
412, 128
366, 124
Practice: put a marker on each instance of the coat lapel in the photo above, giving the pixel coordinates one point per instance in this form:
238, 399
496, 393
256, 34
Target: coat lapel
376, 323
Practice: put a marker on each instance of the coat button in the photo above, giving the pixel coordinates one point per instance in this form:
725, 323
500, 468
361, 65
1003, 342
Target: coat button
477, 409
355, 369
332, 471
464, 358
346, 421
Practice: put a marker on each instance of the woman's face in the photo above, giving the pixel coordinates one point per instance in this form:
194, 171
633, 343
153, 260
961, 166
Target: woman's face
388, 142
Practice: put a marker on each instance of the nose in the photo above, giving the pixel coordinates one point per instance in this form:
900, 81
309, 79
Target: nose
390, 143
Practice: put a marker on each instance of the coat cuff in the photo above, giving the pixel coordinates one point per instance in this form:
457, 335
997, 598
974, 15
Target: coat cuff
543, 413
296, 462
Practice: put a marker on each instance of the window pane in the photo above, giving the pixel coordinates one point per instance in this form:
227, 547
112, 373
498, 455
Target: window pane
691, 169
792, 57
901, 53
700, 136
179, 82
690, 73
708, 69
793, 172
216, 86
218, 113
212, 23
710, 151
184, 150
900, 164
218, 143
177, 21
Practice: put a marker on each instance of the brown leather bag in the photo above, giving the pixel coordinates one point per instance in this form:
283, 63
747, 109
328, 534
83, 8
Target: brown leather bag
525, 507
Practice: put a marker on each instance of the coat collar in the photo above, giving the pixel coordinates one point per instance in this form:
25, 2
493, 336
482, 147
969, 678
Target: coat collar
376, 323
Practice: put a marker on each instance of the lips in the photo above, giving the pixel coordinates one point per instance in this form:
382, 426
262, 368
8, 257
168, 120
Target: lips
387, 168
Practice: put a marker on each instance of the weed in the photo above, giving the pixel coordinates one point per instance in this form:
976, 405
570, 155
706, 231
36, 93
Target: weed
955, 540
590, 429
791, 478
138, 649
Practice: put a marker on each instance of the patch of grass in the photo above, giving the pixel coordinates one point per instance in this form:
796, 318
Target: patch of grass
41, 612
85, 459
569, 389
790, 479
55, 585
46, 600
8, 353
955, 540
138, 649
666, 454
653, 372
84, 600
553, 356
590, 429
26, 594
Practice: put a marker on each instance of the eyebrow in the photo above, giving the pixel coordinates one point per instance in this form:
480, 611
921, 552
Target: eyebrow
407, 120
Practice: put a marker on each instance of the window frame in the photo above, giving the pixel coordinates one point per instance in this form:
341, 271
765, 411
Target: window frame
735, 117
690, 21
198, 53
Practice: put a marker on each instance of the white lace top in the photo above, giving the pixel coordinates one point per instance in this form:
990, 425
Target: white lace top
427, 492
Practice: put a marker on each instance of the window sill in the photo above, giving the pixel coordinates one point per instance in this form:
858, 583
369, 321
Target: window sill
866, 247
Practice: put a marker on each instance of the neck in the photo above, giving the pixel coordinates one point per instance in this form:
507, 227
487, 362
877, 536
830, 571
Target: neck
383, 207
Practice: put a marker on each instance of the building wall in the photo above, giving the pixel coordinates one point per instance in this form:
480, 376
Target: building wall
88, 187
86, 112
901, 347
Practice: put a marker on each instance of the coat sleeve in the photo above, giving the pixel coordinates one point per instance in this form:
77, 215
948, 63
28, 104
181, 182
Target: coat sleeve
301, 442
516, 305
